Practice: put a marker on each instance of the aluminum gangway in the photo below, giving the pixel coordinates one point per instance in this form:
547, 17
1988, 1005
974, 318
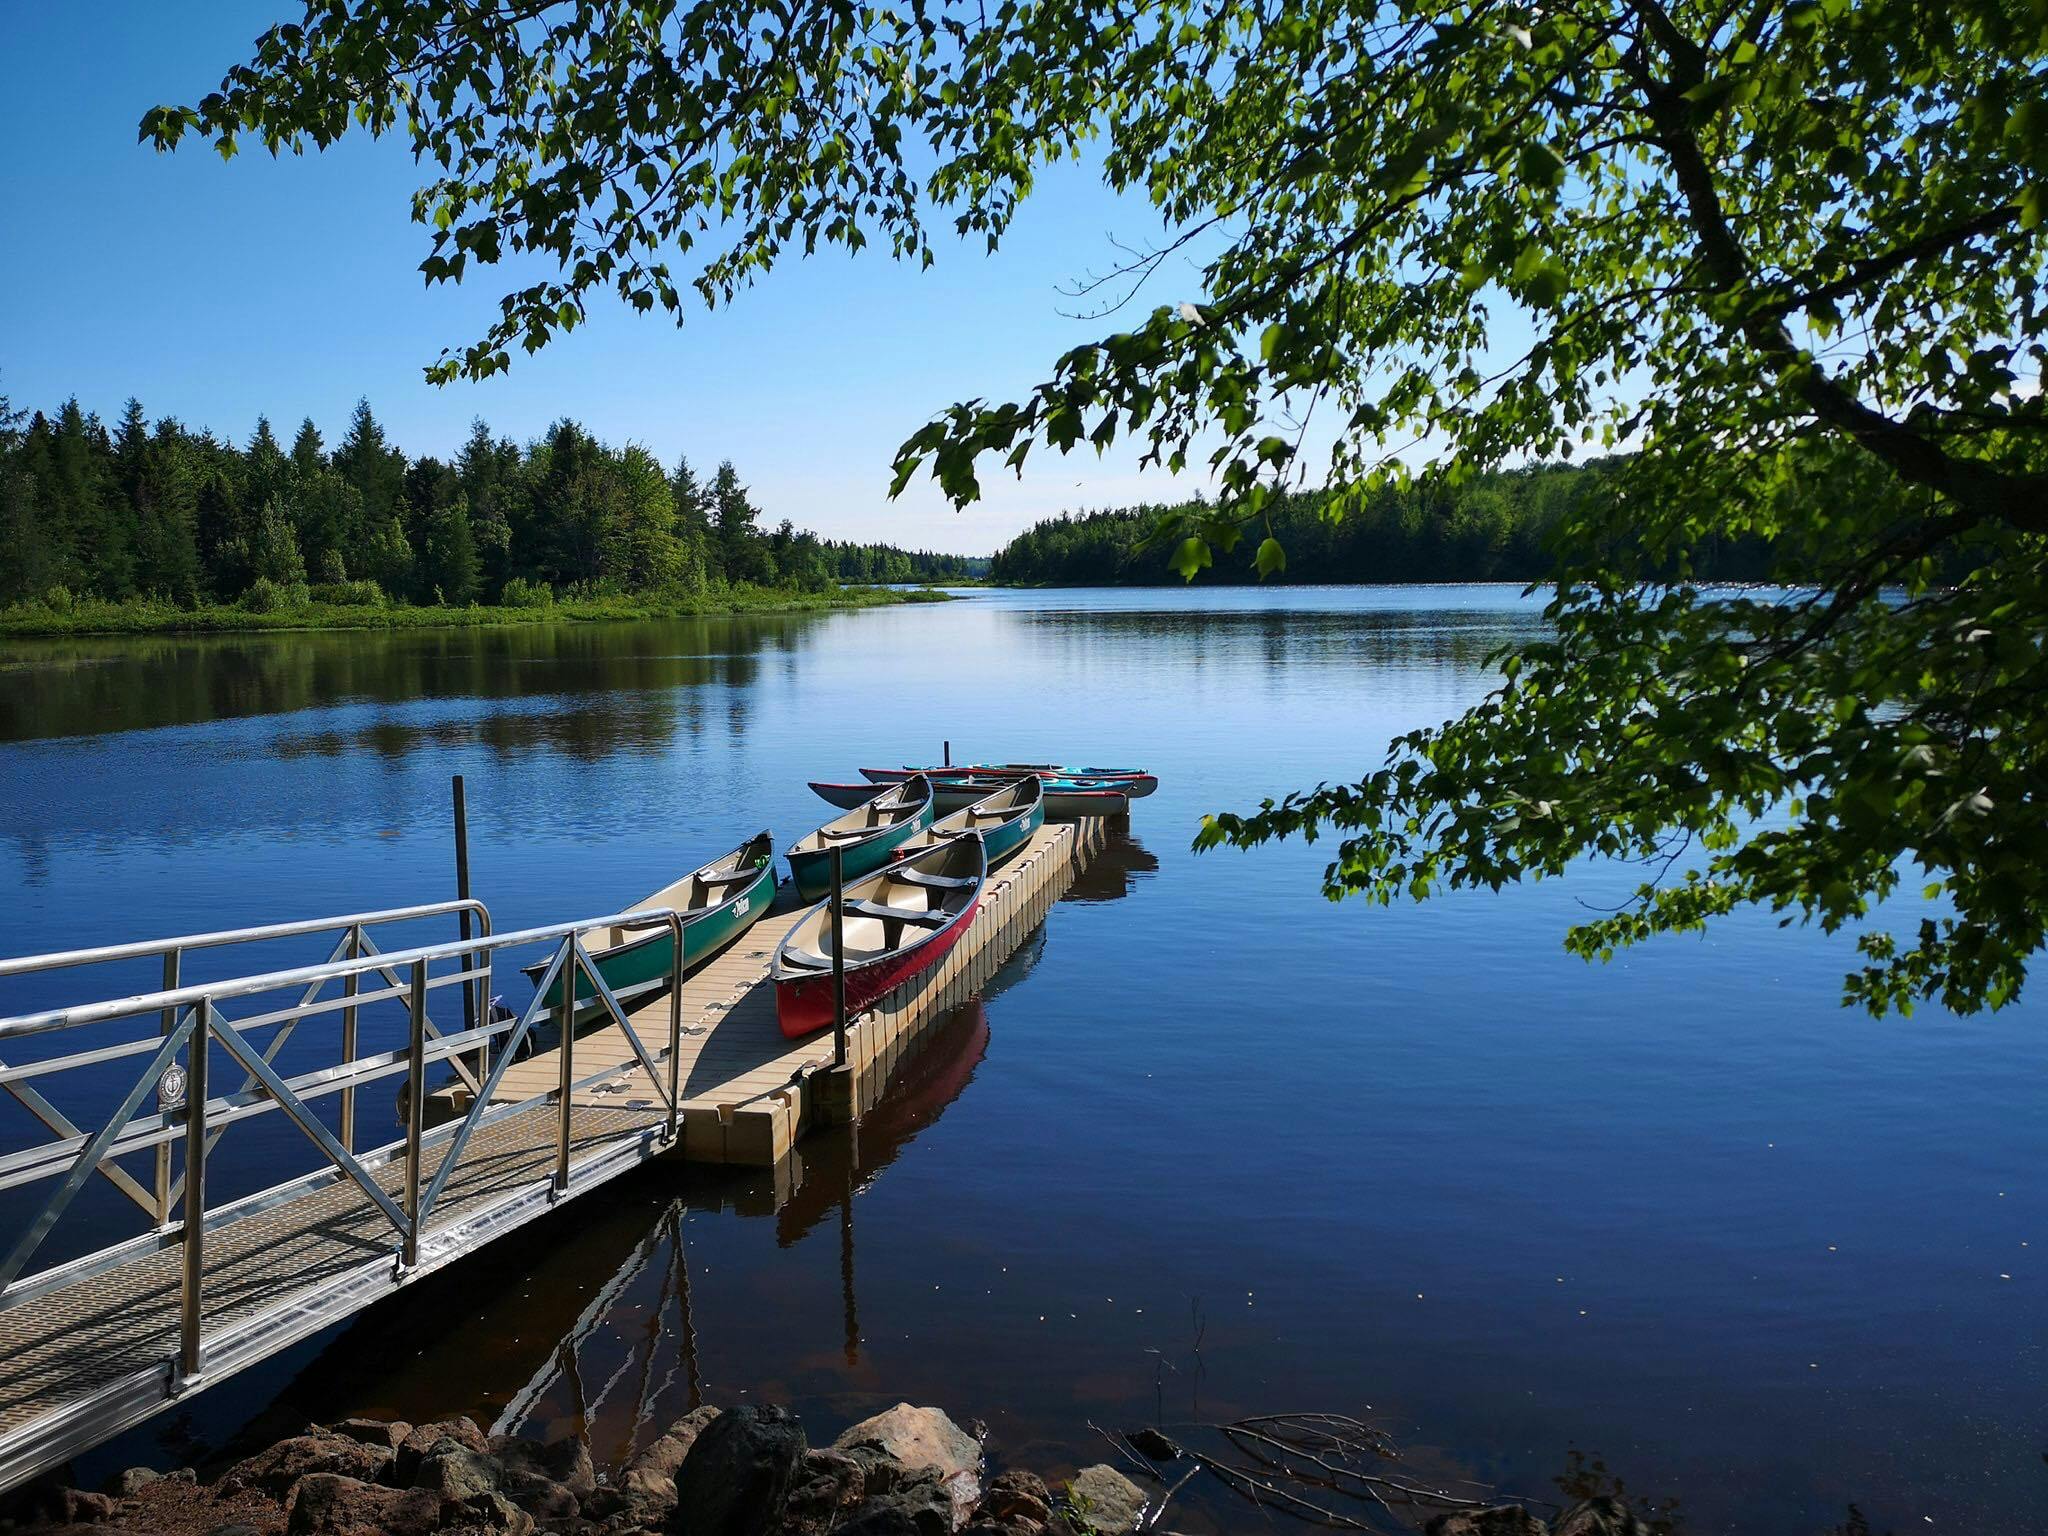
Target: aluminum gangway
95, 1342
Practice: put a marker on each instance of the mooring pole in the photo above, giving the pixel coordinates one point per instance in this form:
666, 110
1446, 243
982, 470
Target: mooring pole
949, 755
838, 960
472, 1019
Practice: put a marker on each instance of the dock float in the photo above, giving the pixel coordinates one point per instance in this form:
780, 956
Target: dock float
749, 1094
95, 1343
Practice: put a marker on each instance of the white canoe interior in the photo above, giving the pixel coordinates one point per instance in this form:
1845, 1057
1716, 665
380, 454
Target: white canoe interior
704, 888
986, 814
887, 809
890, 912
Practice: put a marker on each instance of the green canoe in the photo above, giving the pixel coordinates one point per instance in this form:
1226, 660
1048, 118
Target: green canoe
867, 837
1005, 818
718, 903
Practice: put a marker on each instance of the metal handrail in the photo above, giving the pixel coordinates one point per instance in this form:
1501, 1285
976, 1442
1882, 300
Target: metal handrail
144, 948
354, 942
194, 1023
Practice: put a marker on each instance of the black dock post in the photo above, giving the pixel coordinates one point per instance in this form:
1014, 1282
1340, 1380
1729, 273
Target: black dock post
472, 1018
838, 961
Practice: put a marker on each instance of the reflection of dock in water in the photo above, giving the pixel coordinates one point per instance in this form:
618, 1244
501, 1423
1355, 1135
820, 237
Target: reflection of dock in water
601, 1337
1111, 869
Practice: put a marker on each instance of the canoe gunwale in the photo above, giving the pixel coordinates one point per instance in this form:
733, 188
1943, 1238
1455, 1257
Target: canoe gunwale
692, 917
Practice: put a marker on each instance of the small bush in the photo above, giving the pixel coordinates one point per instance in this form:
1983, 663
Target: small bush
267, 596
349, 594
59, 600
521, 593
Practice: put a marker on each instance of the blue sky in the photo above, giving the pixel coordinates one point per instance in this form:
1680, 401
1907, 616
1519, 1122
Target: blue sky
215, 292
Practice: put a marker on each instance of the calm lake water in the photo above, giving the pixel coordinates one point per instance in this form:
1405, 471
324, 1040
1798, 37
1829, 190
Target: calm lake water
1209, 1146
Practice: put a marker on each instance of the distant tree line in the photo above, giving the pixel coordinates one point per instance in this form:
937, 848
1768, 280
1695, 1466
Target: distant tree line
162, 511
1493, 527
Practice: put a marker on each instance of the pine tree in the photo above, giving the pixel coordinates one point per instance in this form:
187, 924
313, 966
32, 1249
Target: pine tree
387, 558
649, 555
492, 481
25, 571
740, 549
309, 456
84, 503
448, 562
372, 466
224, 537
275, 556
158, 479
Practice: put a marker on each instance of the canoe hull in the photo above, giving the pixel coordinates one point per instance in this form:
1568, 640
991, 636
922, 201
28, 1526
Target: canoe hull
1001, 839
1135, 782
846, 796
1058, 804
803, 1004
646, 963
812, 868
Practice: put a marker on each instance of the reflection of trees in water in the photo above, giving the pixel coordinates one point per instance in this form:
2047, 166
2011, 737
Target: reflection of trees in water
87, 687
587, 731
1430, 637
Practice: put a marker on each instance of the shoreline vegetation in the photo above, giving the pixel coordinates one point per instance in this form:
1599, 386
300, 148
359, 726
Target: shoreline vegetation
148, 528
1490, 527
38, 619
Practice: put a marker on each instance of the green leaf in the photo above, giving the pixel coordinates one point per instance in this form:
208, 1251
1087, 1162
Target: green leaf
1190, 556
1271, 558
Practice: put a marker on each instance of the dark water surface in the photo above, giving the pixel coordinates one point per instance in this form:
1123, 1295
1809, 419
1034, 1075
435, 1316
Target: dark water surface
1209, 1146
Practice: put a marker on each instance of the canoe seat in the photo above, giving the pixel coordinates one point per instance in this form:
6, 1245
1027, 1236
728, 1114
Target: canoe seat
744, 877
932, 882
884, 911
993, 815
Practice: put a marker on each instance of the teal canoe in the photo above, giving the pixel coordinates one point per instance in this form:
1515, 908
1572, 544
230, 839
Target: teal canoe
867, 836
717, 902
1005, 818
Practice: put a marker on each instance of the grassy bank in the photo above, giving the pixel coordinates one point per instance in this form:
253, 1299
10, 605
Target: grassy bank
87, 616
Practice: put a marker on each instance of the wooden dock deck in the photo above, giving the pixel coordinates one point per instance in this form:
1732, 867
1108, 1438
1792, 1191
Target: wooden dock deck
748, 1093
82, 1359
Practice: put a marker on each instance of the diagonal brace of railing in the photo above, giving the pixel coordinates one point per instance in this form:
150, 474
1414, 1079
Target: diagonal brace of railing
302, 1116
92, 1152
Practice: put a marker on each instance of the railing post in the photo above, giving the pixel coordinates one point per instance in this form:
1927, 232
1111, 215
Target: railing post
675, 1034
566, 1056
350, 984
469, 1009
169, 1021
483, 1049
191, 1309
838, 960
415, 1110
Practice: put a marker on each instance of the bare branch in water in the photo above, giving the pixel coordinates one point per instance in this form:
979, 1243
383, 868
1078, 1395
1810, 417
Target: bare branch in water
1316, 1467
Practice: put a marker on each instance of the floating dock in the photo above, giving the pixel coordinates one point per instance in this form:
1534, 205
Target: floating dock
94, 1346
749, 1094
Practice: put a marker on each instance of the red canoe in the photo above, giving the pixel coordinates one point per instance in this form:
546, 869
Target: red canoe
898, 922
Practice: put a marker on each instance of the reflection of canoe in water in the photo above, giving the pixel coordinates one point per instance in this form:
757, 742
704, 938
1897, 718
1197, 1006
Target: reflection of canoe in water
896, 923
718, 902
1134, 782
1005, 818
867, 836
917, 1094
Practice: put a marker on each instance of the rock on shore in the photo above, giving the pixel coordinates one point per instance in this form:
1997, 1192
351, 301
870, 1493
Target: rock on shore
746, 1471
